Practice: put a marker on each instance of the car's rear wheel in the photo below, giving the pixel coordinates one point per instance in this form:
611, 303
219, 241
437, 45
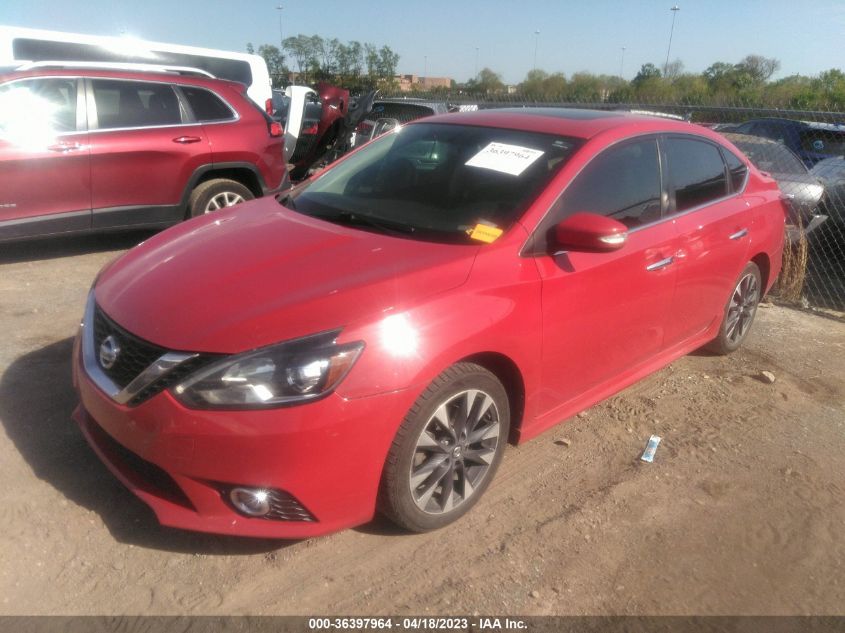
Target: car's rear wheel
740, 311
219, 193
447, 449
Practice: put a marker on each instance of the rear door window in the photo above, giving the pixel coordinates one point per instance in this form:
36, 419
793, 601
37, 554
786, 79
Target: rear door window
135, 104
696, 172
207, 106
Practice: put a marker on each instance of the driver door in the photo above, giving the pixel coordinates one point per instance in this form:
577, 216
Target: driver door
604, 314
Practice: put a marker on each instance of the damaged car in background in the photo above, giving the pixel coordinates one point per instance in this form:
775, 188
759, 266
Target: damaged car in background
801, 189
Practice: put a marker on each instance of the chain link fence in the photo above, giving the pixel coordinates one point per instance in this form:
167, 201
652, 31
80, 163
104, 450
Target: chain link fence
804, 150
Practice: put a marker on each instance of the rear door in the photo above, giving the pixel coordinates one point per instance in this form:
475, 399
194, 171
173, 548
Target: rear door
605, 313
713, 222
45, 182
144, 149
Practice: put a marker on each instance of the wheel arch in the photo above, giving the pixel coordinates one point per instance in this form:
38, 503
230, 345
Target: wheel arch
509, 374
244, 173
764, 264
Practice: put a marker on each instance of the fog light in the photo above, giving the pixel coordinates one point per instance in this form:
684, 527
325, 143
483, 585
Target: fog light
253, 502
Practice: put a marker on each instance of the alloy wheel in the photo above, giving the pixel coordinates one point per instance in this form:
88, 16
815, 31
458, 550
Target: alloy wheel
454, 451
743, 306
223, 199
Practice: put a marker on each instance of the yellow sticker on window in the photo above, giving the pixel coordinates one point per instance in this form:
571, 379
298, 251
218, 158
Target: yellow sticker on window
485, 233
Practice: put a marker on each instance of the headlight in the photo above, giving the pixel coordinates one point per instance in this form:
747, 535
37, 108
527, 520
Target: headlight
287, 373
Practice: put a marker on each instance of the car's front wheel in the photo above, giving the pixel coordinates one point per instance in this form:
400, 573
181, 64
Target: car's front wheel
215, 194
740, 311
446, 450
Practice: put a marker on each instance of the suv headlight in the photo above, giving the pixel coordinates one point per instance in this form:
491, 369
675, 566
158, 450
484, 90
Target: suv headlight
287, 373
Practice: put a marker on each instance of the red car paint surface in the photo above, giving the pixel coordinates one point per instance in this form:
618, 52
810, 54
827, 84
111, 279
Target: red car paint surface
562, 330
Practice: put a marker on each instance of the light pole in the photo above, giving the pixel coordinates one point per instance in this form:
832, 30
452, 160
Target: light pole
476, 61
622, 64
674, 10
425, 71
536, 43
281, 39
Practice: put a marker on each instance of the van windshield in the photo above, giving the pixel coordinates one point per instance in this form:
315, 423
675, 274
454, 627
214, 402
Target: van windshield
437, 182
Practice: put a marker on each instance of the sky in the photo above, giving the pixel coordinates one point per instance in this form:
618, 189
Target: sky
449, 37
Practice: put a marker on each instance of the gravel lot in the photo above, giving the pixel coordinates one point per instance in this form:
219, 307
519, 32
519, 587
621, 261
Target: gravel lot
742, 511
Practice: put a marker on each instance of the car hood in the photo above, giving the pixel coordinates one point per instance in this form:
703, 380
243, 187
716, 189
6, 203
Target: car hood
258, 274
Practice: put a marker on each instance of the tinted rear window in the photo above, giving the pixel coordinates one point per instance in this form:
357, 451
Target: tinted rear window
206, 105
696, 172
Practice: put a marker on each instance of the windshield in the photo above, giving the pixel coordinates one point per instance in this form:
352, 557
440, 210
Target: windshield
438, 182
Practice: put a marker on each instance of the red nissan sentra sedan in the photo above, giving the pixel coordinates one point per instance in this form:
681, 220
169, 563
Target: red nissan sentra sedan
371, 340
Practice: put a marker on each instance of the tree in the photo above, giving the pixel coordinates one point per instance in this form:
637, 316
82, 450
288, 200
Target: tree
301, 49
759, 68
674, 70
275, 64
487, 82
647, 72
387, 62
534, 83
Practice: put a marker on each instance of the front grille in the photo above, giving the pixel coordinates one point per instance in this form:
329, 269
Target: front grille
152, 478
135, 354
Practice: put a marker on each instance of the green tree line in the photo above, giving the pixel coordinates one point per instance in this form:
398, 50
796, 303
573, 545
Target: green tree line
746, 83
353, 65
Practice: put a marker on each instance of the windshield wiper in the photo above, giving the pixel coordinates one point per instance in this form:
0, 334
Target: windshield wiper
354, 219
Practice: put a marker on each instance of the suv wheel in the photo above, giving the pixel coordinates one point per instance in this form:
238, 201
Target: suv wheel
212, 195
446, 450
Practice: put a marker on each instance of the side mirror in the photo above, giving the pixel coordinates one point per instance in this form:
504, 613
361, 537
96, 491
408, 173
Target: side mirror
588, 232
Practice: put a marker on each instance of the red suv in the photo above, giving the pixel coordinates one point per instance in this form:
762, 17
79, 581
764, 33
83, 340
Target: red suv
375, 337
83, 149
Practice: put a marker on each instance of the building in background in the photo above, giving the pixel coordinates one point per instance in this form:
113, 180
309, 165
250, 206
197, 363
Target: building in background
409, 83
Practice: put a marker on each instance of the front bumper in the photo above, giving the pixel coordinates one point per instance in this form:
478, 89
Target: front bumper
327, 454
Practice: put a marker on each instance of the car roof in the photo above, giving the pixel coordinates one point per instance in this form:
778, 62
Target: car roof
571, 122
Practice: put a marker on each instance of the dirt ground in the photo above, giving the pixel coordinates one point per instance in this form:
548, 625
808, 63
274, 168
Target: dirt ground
742, 511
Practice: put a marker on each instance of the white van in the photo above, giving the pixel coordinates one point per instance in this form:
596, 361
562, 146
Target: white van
19, 45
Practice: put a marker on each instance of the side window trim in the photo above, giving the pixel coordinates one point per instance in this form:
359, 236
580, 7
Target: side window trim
728, 195
93, 119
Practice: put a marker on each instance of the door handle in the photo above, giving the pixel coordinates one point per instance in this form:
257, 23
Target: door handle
64, 147
663, 263
184, 140
738, 235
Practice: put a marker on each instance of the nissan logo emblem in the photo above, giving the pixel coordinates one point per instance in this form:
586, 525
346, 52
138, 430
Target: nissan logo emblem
109, 351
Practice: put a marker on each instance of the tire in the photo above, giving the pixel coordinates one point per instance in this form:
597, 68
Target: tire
449, 468
215, 194
739, 311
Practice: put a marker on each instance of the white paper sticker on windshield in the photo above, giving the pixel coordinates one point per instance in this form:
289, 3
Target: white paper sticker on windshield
509, 159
